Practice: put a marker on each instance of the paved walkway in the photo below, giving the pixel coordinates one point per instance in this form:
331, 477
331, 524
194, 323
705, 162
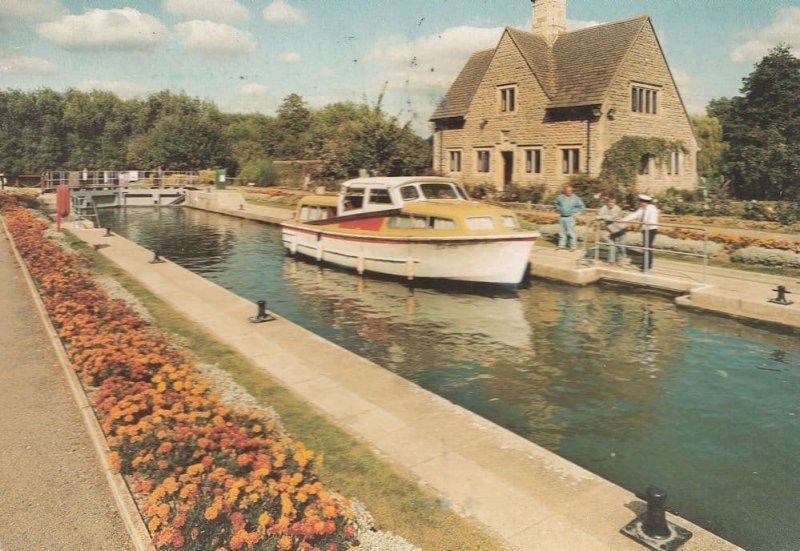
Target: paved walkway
53, 493
530, 497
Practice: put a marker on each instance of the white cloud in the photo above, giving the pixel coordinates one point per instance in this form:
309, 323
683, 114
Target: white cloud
288, 57
29, 9
429, 64
228, 11
327, 72
25, 65
253, 89
280, 11
215, 40
116, 29
577, 24
785, 28
688, 86
123, 88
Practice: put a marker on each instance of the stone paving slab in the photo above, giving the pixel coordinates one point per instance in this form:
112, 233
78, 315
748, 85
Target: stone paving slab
528, 496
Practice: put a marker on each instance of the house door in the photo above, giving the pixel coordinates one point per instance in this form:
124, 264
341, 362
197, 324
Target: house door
508, 167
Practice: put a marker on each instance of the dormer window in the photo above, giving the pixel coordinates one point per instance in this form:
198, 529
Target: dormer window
508, 98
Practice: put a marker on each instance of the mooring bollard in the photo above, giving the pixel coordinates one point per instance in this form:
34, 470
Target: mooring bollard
108, 233
655, 524
156, 258
781, 298
262, 314
652, 529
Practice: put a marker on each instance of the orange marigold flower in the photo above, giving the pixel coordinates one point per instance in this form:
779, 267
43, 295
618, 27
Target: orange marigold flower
114, 461
153, 524
180, 520
285, 542
264, 519
170, 484
211, 513
165, 447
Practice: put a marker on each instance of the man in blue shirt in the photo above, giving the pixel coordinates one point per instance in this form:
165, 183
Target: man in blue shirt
568, 204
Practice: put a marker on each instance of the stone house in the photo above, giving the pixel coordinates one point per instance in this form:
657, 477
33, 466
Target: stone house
546, 105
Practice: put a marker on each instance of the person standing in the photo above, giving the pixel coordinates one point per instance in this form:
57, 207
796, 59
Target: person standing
647, 216
610, 213
567, 205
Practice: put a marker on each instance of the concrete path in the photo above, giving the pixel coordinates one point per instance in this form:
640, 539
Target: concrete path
528, 496
721, 290
53, 493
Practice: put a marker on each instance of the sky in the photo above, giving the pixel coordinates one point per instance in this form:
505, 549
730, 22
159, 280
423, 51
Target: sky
247, 55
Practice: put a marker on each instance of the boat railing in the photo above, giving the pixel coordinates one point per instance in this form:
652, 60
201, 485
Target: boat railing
596, 237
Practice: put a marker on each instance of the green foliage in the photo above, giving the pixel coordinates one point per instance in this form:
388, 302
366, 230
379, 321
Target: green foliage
524, 194
292, 126
766, 257
763, 129
786, 213
347, 137
593, 191
621, 161
262, 173
708, 131
679, 201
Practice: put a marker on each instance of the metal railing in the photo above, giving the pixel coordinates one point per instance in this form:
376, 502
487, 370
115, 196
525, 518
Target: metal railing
597, 237
112, 179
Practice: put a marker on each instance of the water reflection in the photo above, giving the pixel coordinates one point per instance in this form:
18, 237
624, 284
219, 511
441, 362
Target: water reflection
621, 383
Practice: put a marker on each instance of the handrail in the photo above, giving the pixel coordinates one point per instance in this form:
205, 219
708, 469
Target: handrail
599, 225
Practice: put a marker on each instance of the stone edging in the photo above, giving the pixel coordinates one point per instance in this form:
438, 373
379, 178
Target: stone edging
123, 499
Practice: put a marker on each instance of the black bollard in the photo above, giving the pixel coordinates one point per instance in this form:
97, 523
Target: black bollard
781, 298
262, 314
108, 233
655, 524
652, 529
156, 258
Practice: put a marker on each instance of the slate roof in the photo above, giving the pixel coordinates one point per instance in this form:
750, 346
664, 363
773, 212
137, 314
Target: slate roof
576, 70
459, 96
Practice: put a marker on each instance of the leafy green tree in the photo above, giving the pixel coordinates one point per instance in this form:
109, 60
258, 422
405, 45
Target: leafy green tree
252, 137
97, 126
762, 128
708, 130
262, 173
292, 125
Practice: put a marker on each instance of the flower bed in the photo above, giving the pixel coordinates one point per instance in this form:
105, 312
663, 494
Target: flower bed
205, 475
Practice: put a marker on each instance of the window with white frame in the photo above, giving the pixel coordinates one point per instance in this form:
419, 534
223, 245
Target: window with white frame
508, 98
675, 161
533, 160
644, 164
455, 160
570, 160
484, 160
644, 99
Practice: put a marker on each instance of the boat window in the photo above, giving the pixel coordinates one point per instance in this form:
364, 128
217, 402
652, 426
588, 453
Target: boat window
480, 223
438, 191
462, 193
443, 224
304, 214
354, 198
508, 221
379, 197
409, 193
400, 222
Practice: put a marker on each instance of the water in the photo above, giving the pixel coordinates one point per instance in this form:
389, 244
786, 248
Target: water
621, 383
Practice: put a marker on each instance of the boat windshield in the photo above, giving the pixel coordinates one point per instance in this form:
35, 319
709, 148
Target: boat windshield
440, 191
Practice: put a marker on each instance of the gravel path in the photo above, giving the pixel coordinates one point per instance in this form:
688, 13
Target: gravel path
53, 493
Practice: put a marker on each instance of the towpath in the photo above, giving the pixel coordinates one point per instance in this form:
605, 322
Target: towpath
54, 493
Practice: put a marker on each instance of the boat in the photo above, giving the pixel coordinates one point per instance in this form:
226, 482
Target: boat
412, 227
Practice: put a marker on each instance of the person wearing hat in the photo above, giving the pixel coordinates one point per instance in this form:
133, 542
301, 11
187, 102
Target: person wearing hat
568, 204
647, 216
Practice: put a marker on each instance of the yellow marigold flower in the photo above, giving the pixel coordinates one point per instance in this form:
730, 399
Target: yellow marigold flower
211, 513
195, 469
170, 484
153, 525
177, 385
256, 428
285, 542
264, 519
114, 461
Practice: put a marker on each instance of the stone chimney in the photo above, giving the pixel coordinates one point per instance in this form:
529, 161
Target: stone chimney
549, 18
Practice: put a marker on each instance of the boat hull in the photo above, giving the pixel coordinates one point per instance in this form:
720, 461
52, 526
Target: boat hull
480, 259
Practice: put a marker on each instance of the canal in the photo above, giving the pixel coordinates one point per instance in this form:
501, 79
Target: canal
622, 383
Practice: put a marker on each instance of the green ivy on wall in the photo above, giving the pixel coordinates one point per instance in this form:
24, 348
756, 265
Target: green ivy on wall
621, 161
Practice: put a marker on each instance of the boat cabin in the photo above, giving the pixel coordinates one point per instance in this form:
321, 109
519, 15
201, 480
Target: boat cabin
378, 194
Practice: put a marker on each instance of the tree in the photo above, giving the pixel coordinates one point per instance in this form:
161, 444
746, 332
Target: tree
292, 125
762, 128
708, 130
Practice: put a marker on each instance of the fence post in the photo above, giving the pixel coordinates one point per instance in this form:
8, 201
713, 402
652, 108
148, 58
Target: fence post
705, 256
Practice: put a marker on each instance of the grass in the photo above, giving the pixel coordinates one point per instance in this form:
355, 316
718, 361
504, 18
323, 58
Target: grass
397, 503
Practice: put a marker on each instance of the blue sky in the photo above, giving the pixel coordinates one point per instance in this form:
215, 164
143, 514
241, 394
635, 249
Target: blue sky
247, 55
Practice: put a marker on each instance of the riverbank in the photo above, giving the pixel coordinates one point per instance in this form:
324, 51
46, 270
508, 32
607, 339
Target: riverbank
532, 498
725, 291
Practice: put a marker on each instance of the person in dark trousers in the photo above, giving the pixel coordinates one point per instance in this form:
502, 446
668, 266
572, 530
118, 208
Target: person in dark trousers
647, 216
610, 213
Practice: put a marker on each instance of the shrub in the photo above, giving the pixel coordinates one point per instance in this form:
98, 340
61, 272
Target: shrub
678, 245
766, 257
523, 194
262, 173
